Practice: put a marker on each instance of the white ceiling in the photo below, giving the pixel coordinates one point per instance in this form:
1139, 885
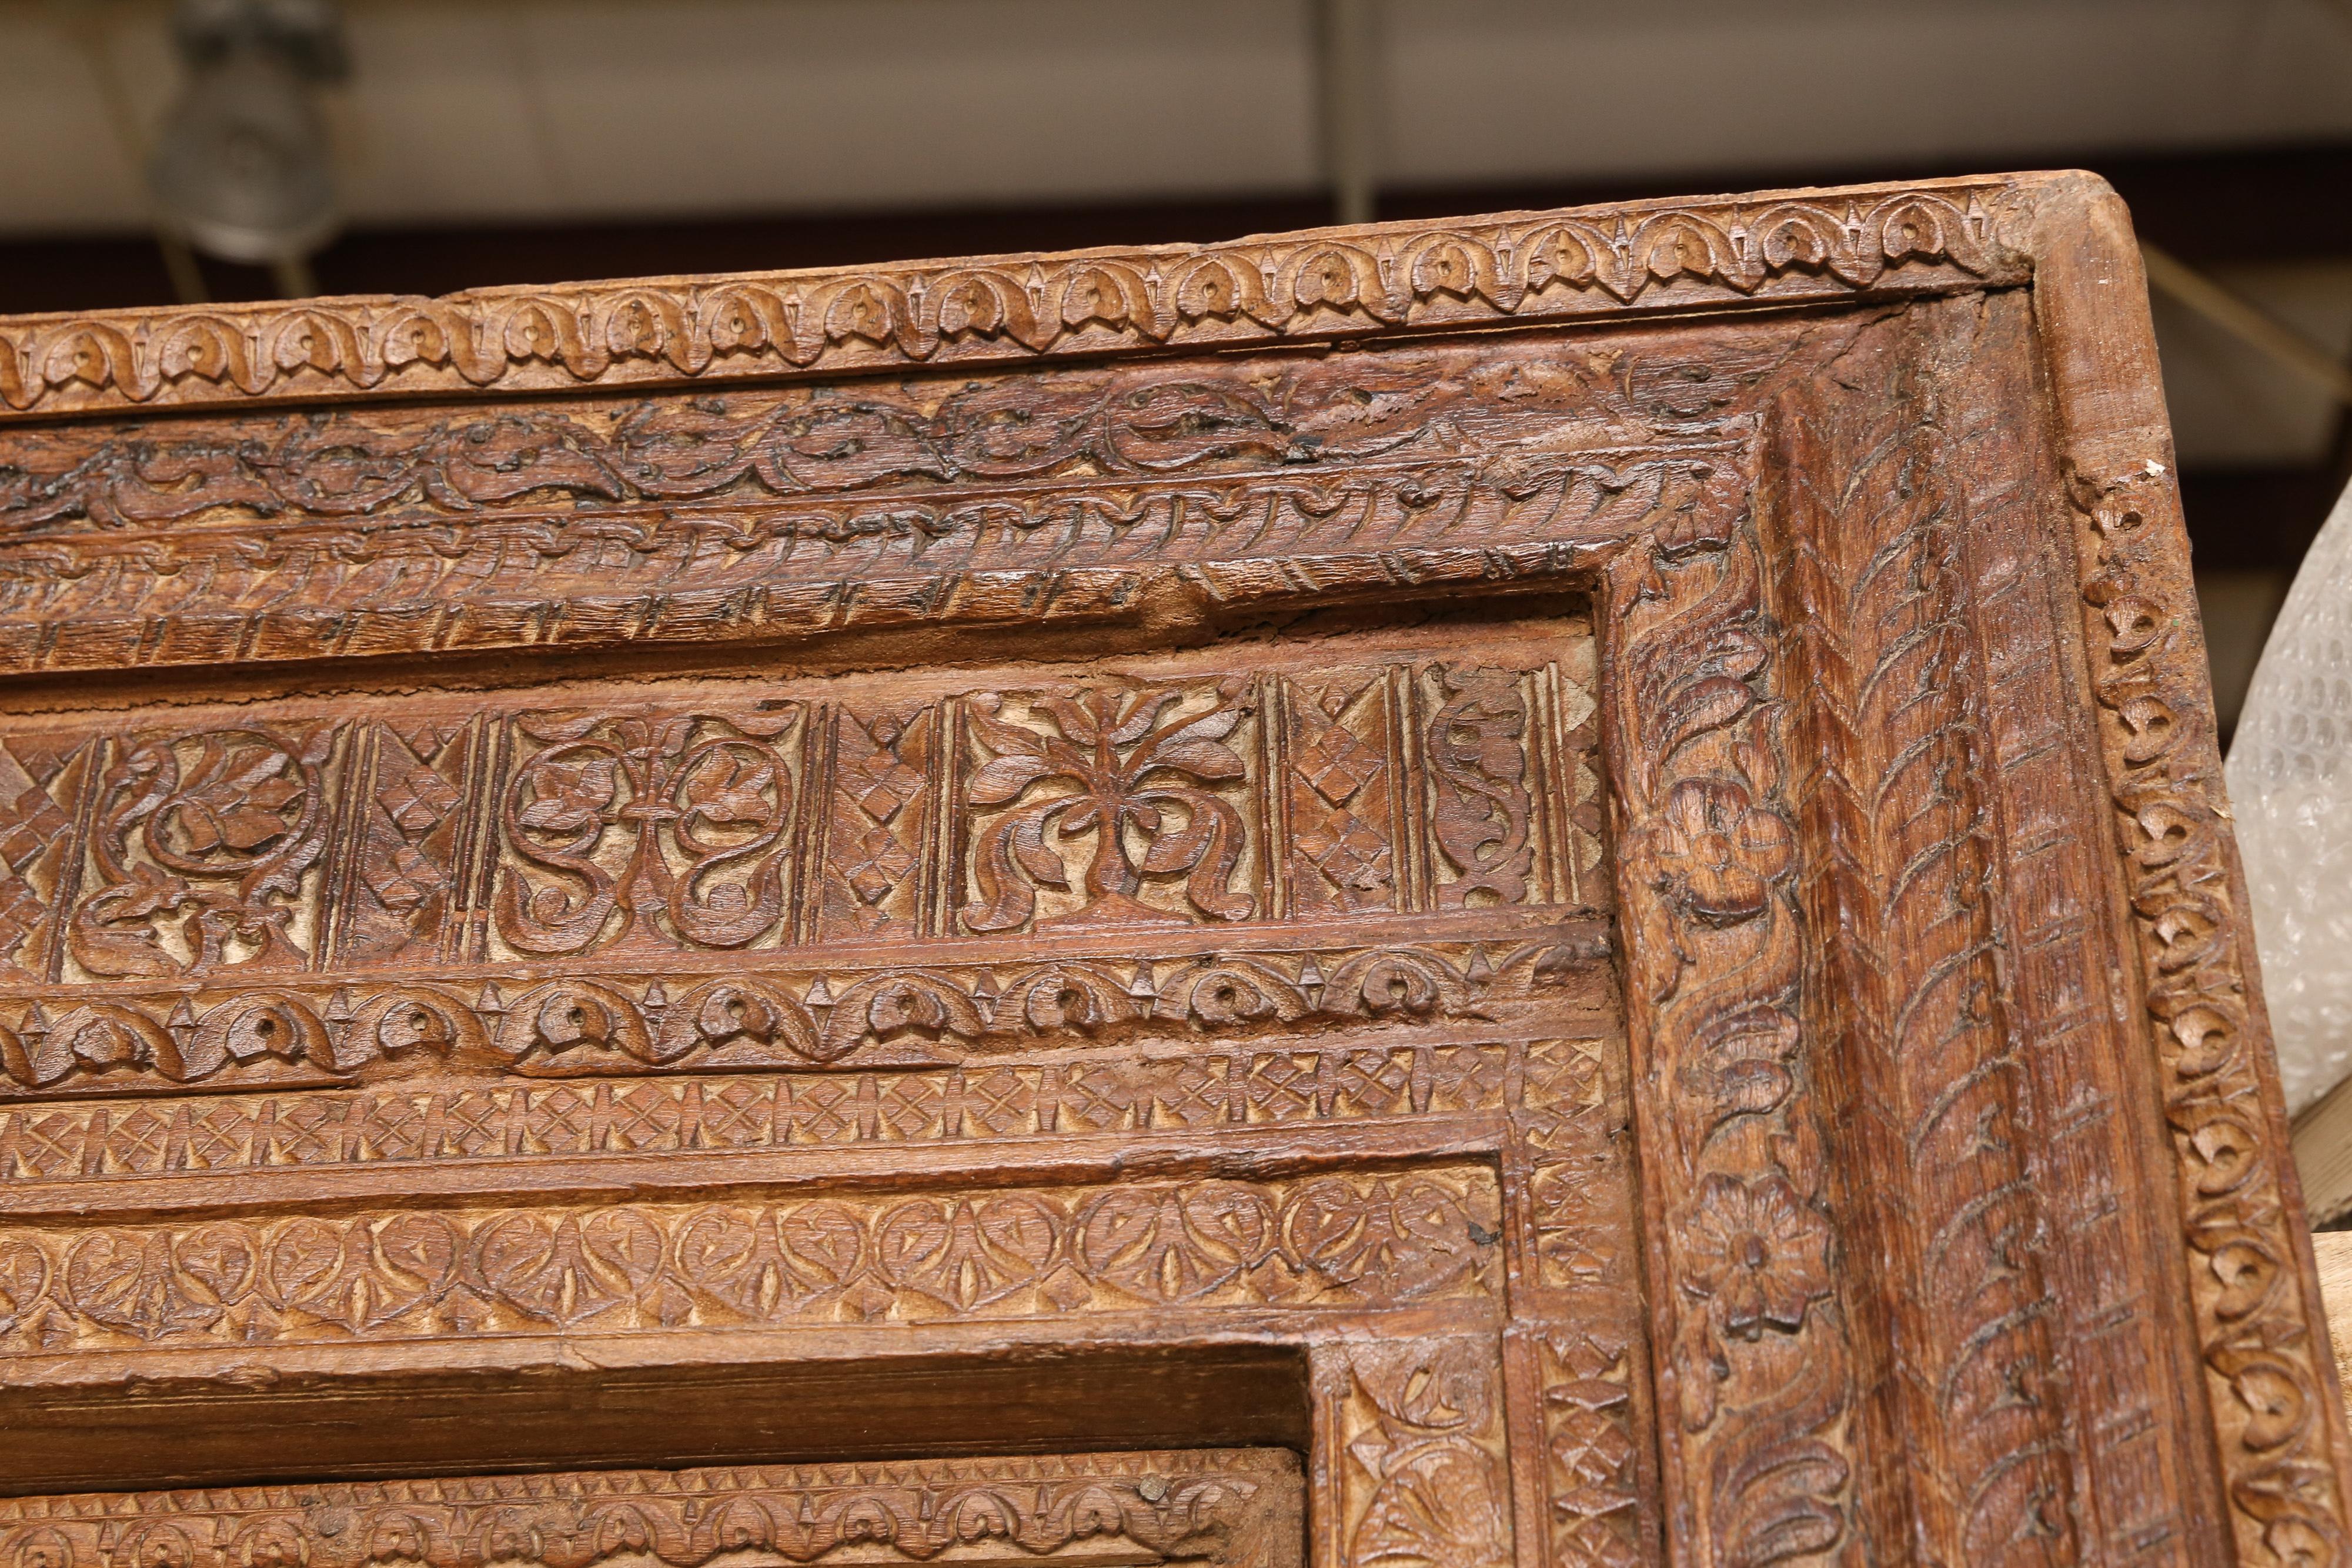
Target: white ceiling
515, 109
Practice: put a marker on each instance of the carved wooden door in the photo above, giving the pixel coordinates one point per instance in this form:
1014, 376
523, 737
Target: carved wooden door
1544, 890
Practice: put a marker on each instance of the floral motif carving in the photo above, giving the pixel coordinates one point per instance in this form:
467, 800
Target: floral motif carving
1333, 284
1718, 854
199, 849
1757, 1256
664, 829
1353, 1240
1212, 1505
1419, 1423
1143, 768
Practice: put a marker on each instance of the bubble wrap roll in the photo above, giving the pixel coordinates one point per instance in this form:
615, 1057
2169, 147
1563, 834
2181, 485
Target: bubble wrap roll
2290, 777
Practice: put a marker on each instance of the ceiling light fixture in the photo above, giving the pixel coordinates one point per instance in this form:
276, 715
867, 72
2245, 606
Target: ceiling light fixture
241, 163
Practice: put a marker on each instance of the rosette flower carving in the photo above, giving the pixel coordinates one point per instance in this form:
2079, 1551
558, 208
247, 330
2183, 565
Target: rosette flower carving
1757, 1253
1717, 853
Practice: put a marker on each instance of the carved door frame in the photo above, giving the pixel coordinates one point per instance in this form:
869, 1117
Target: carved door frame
1929, 928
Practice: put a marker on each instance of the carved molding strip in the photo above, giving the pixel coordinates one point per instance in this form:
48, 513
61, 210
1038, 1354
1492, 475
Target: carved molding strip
422, 834
271, 591
331, 1035
1568, 1120
1112, 1096
1599, 1513
2084, 1052
2277, 1415
922, 461
1363, 830
2262, 1338
1579, 1368
1356, 1240
1219, 1506
1336, 283
1754, 1365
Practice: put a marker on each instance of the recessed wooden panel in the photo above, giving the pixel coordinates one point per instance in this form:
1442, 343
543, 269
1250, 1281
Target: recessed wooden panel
833, 1402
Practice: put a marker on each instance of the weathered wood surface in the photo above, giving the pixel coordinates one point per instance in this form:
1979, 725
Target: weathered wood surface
1570, 861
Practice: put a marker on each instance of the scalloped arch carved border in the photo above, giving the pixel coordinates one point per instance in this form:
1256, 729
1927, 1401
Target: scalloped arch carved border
1325, 284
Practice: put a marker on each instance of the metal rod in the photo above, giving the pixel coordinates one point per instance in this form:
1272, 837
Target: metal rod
86, 26
2291, 350
1345, 104
293, 278
181, 266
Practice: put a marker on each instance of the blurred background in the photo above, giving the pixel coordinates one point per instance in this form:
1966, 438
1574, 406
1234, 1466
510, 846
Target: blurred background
153, 151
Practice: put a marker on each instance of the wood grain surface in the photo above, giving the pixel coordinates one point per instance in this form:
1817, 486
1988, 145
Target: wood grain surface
1571, 862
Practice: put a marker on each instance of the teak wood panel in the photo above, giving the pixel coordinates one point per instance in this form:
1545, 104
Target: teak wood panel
1570, 861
